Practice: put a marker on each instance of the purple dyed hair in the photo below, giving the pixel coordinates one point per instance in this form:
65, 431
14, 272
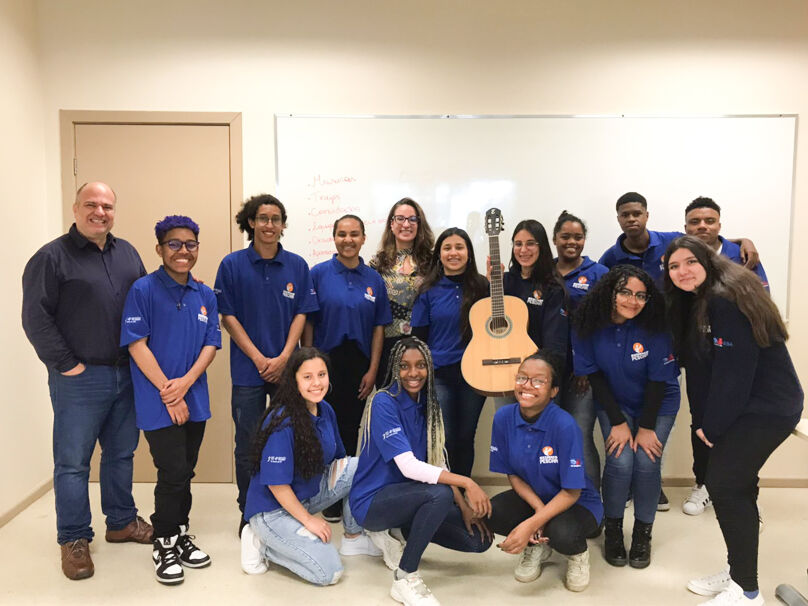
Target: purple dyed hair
173, 222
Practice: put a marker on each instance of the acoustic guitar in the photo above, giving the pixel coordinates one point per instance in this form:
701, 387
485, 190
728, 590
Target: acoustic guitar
499, 323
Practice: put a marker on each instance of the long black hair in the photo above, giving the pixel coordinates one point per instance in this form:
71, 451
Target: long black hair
687, 312
595, 310
475, 286
288, 407
543, 275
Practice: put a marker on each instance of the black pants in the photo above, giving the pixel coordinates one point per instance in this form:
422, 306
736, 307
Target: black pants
701, 454
567, 531
732, 480
348, 366
174, 451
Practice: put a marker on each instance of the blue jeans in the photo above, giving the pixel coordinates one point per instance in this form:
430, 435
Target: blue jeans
634, 471
286, 541
247, 404
461, 407
582, 408
97, 405
426, 513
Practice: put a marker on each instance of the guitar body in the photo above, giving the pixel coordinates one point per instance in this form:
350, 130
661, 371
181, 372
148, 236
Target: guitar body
497, 348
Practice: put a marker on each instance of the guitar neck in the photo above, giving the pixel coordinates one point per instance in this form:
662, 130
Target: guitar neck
497, 301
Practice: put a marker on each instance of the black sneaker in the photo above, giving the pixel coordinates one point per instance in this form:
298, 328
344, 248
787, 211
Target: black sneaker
189, 554
333, 513
663, 504
167, 567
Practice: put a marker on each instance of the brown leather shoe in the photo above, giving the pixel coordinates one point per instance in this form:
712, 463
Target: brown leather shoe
136, 531
76, 561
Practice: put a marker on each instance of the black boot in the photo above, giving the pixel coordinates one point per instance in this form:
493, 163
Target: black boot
639, 556
614, 549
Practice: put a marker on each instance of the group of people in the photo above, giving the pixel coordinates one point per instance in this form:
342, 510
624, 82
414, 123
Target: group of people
128, 351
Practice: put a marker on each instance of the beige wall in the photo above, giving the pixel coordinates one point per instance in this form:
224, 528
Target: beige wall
453, 56
25, 413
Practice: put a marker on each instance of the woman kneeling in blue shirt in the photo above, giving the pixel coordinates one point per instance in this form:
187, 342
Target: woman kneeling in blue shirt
552, 504
402, 481
620, 343
300, 469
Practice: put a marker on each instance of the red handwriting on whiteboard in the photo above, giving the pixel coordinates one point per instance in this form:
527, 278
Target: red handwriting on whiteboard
319, 180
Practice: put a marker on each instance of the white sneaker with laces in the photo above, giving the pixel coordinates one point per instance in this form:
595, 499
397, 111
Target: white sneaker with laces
698, 500
359, 545
252, 562
390, 547
733, 596
529, 567
411, 591
577, 578
712, 584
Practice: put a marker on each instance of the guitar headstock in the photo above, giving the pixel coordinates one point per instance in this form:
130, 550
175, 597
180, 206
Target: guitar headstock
493, 222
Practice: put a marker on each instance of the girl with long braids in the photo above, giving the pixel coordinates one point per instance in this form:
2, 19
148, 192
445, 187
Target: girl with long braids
402, 481
300, 468
621, 344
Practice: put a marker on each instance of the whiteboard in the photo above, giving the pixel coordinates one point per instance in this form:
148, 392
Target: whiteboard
534, 167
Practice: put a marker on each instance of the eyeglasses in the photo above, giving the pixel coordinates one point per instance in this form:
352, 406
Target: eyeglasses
536, 382
175, 245
625, 293
262, 220
400, 219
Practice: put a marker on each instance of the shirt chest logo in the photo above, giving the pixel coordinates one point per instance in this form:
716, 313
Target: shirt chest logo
722, 342
369, 295
547, 456
289, 293
581, 284
639, 352
536, 298
202, 316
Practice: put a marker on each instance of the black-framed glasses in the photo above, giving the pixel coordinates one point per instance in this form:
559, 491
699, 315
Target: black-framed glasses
536, 382
400, 219
625, 293
175, 245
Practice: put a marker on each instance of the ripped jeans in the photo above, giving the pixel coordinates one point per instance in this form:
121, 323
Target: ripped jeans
286, 542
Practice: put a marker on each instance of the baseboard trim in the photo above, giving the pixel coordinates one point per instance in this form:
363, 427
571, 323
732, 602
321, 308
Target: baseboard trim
12, 513
679, 481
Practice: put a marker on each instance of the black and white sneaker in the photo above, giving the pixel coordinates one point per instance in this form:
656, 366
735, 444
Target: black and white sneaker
189, 554
167, 567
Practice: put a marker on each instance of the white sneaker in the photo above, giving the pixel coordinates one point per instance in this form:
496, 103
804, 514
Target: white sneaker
359, 545
252, 561
712, 584
698, 500
529, 567
390, 547
412, 591
733, 596
577, 578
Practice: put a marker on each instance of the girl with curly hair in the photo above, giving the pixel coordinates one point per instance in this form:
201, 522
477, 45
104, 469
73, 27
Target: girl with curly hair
402, 481
299, 469
621, 344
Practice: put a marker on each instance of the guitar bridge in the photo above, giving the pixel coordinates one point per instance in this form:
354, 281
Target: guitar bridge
501, 361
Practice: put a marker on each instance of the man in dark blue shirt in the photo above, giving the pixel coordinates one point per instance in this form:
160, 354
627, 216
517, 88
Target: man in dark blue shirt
73, 294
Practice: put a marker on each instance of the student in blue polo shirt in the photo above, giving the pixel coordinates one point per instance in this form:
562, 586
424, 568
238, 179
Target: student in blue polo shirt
552, 504
580, 274
264, 293
440, 317
349, 327
300, 468
402, 481
620, 342
644, 248
171, 325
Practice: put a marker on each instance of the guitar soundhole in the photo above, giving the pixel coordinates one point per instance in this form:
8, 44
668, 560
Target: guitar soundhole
498, 327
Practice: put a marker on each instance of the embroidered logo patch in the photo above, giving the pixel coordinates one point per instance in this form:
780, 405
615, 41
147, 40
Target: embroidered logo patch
640, 352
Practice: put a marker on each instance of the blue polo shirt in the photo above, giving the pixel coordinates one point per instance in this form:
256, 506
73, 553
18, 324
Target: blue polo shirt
264, 295
352, 302
650, 260
547, 325
439, 308
630, 357
548, 454
278, 462
179, 320
581, 280
733, 252
397, 425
